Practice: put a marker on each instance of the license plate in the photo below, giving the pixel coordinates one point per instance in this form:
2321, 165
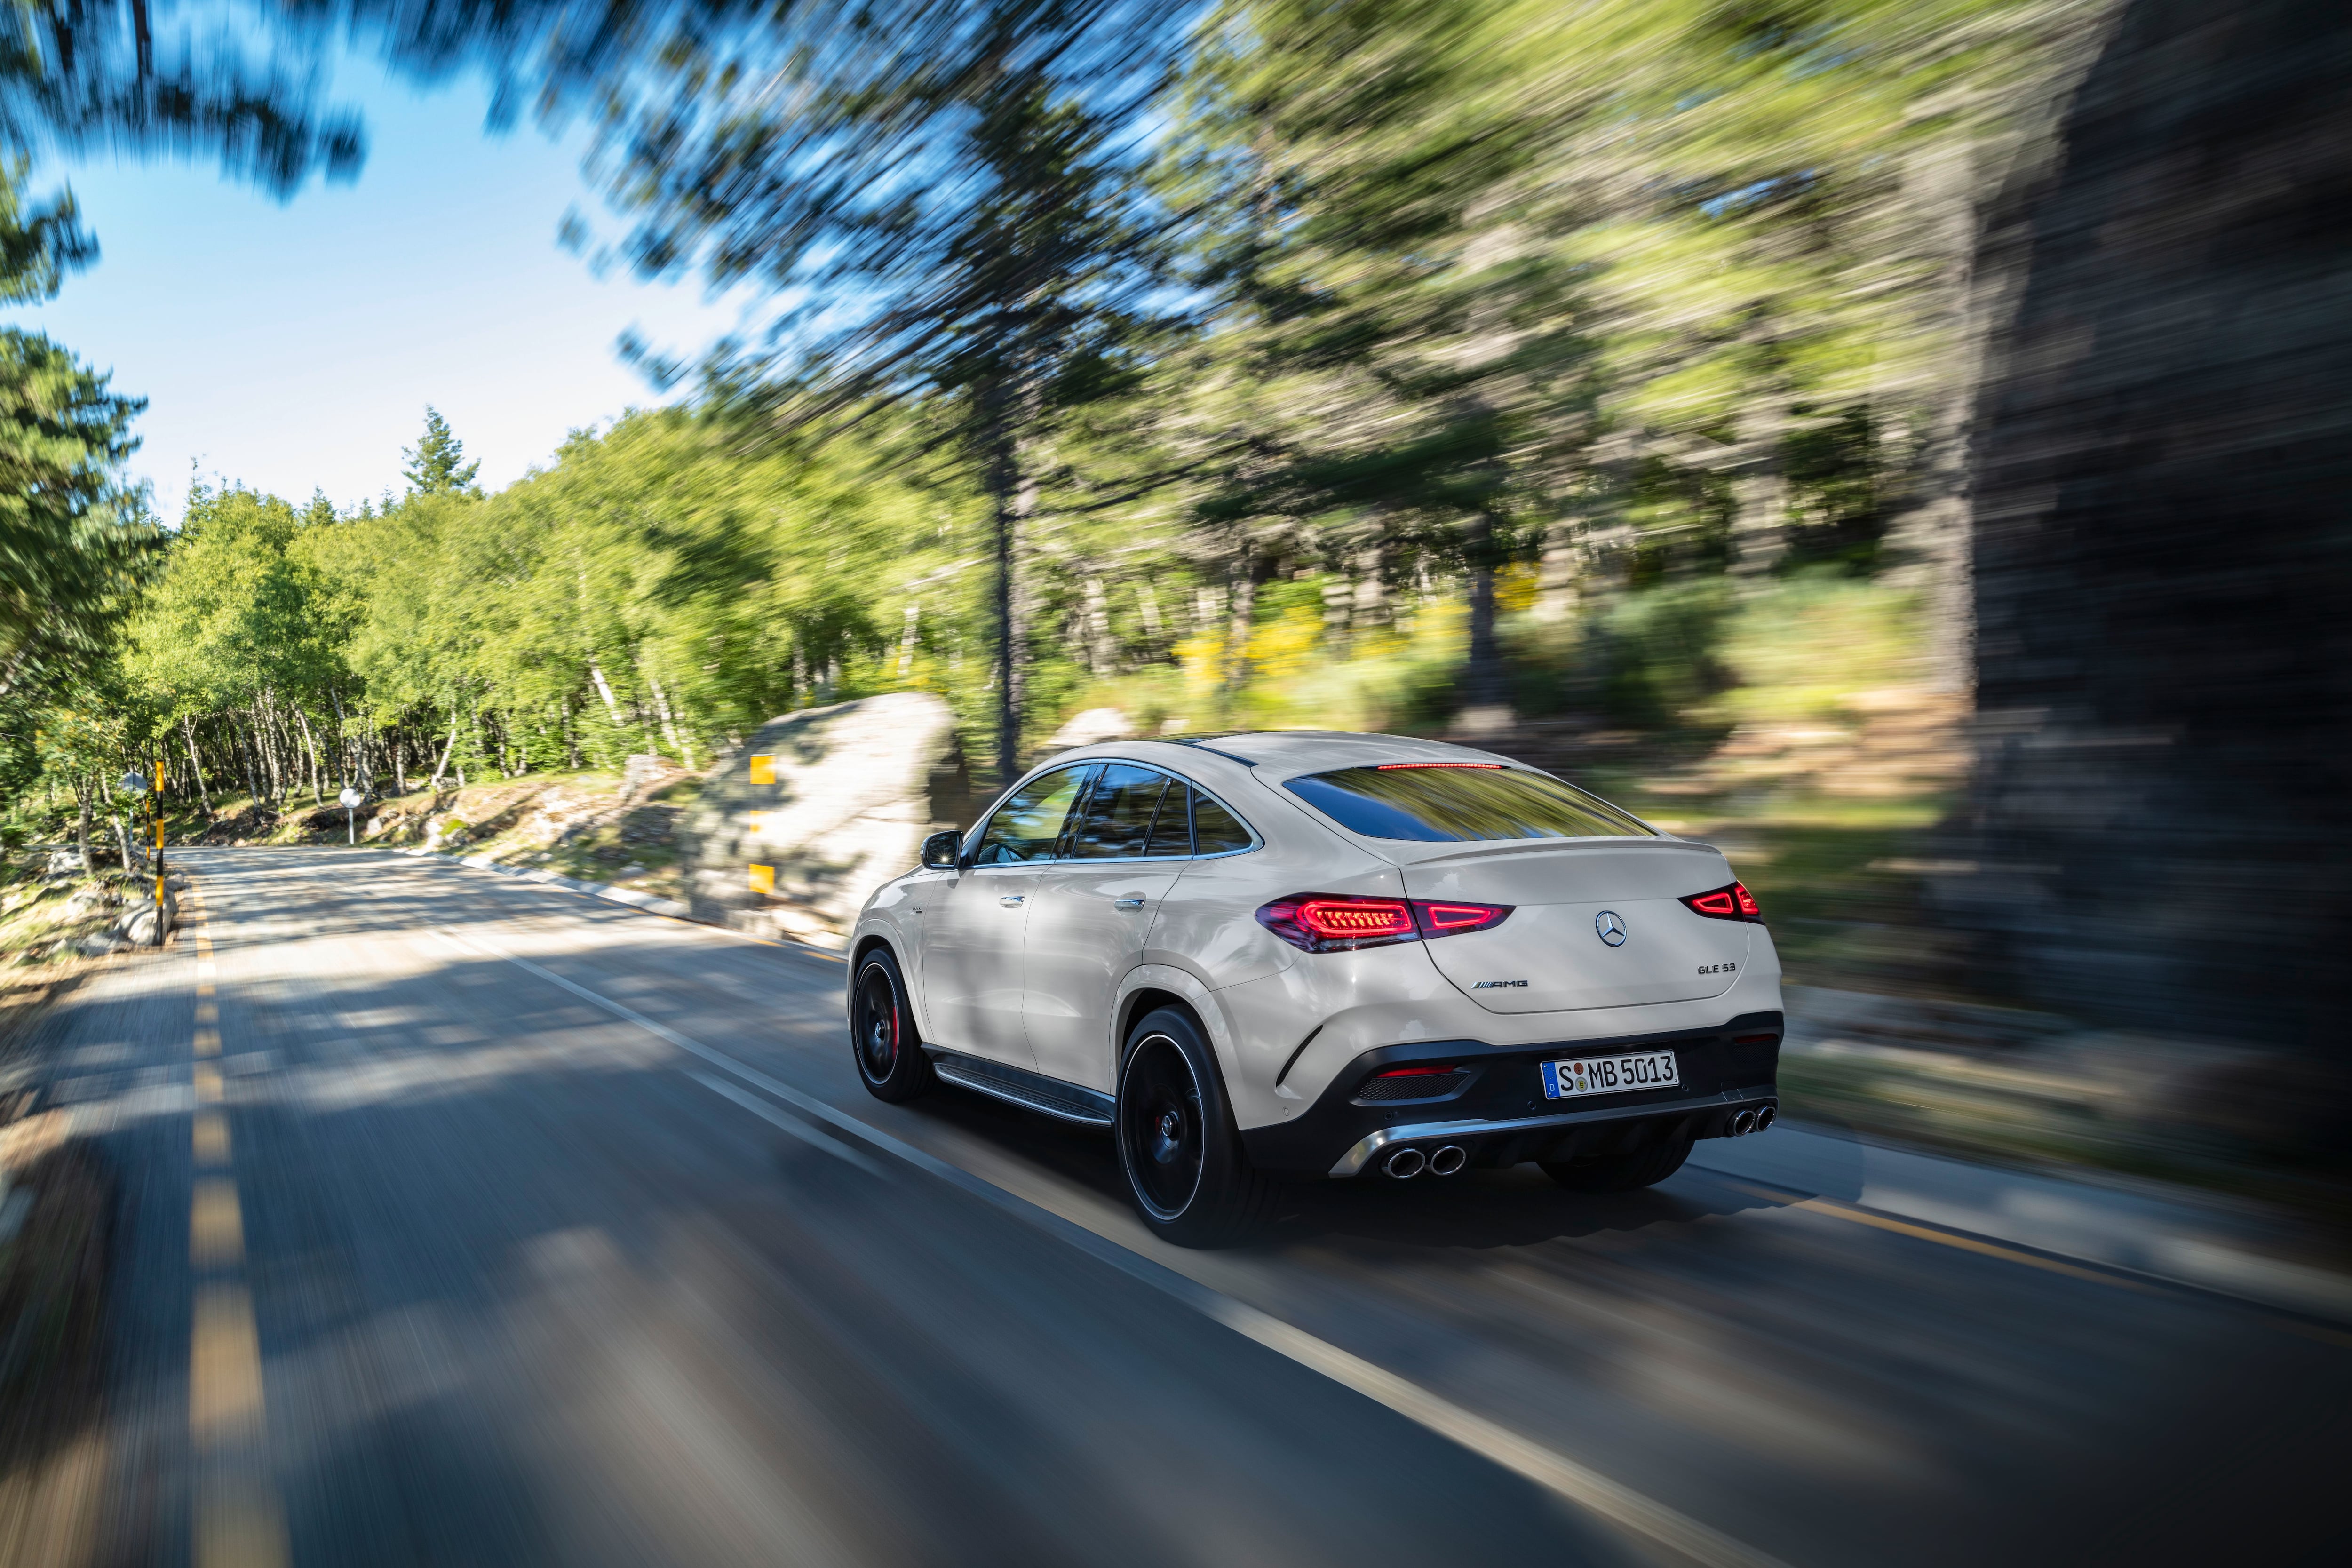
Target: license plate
1609, 1075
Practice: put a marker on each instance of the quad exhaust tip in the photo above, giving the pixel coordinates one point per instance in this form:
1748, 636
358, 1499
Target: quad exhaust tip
1743, 1125
1443, 1162
1765, 1117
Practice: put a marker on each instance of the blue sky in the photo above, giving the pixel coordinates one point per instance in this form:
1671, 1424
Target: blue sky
294, 345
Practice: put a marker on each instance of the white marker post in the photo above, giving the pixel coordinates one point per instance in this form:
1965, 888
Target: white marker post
135, 785
352, 799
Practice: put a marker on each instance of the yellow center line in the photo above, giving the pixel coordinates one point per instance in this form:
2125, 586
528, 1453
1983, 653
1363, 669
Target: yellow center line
224, 1368
215, 1225
240, 1521
240, 1527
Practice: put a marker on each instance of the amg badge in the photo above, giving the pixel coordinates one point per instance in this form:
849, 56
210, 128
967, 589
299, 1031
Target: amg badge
1498, 984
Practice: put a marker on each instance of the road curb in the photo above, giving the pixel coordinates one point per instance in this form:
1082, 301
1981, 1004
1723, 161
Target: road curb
2208, 1245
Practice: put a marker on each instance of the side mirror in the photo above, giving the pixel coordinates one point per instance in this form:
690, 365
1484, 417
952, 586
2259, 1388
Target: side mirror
941, 851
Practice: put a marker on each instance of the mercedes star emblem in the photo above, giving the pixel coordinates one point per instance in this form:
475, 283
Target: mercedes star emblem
1611, 927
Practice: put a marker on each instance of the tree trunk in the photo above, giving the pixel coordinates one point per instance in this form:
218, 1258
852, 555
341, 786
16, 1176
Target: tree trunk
310, 745
668, 724
1009, 500
246, 750
1484, 687
188, 733
446, 747
1248, 569
604, 690
81, 833
1759, 522
906, 643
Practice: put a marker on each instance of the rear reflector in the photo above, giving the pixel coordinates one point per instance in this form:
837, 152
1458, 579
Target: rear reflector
1334, 922
1423, 1081
1731, 903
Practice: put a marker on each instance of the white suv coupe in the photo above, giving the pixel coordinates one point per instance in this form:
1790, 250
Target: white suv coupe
1324, 954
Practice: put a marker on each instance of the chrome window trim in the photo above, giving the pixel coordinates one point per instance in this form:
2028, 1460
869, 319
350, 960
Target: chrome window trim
971, 839
1257, 839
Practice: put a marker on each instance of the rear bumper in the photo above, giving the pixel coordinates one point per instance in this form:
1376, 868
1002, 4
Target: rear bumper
1500, 1116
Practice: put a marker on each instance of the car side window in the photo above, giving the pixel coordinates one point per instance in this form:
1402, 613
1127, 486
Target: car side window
1171, 830
1116, 821
1215, 830
1028, 826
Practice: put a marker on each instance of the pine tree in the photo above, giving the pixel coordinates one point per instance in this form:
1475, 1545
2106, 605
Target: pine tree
436, 464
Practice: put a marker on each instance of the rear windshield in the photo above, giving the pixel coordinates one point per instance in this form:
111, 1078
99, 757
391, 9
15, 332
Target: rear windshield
1437, 804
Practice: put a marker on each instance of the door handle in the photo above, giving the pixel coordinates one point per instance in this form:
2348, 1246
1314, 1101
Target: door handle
1129, 904
1013, 900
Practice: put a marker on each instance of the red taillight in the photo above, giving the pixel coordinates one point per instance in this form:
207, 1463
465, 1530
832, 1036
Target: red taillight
1732, 903
1333, 922
1444, 920
1353, 919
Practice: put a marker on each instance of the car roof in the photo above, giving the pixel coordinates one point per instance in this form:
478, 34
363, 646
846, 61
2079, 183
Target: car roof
1287, 752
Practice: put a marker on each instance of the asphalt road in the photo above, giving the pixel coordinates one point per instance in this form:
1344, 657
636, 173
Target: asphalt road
467, 1221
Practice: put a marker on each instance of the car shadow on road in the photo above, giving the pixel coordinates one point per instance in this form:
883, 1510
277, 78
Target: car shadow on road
1479, 1208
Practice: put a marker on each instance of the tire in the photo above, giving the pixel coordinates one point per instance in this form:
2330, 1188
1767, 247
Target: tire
883, 1040
1626, 1172
1178, 1152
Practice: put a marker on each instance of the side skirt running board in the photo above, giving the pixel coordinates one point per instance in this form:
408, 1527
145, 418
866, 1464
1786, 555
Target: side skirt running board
1018, 1086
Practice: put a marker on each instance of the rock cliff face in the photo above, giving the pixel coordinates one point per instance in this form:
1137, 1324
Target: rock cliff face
2164, 540
817, 809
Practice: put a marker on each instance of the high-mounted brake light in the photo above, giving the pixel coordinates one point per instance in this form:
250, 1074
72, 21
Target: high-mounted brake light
1391, 767
1336, 923
1732, 903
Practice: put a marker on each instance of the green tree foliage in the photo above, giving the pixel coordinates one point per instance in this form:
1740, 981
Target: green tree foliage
436, 464
1122, 351
72, 543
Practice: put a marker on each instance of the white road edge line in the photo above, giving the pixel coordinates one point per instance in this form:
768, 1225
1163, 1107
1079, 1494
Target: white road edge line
1620, 1505
792, 1124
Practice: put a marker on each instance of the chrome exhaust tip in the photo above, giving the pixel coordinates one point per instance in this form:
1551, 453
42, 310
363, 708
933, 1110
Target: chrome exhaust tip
1743, 1125
1405, 1163
1765, 1117
1448, 1159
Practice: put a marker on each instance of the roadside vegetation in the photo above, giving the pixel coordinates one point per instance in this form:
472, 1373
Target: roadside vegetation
1592, 384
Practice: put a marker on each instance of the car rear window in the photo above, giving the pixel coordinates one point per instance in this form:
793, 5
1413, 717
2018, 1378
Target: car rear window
1435, 803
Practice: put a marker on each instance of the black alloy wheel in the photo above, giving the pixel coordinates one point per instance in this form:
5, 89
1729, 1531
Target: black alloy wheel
1185, 1168
1160, 1119
882, 1033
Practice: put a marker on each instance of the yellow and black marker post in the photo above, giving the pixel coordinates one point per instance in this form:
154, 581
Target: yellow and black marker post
161, 929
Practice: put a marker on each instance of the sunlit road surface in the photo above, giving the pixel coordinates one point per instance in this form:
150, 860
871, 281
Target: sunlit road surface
468, 1221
